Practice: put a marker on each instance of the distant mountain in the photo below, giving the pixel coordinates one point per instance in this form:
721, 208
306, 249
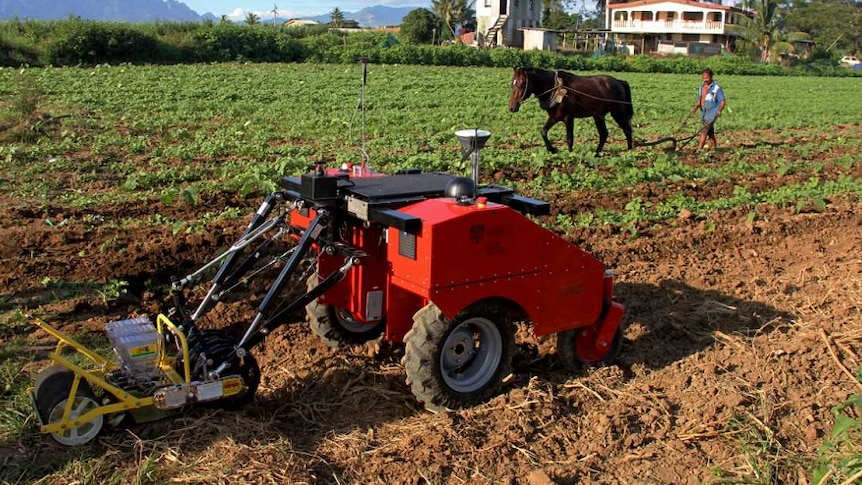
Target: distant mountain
166, 10
106, 10
376, 16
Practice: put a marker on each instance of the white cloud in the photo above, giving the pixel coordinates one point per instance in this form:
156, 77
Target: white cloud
404, 3
238, 14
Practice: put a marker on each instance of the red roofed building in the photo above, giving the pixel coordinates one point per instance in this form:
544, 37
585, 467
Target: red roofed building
672, 26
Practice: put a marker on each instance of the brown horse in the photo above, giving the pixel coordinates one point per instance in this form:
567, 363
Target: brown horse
566, 96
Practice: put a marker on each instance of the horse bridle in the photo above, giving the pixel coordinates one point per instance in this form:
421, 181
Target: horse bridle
524, 93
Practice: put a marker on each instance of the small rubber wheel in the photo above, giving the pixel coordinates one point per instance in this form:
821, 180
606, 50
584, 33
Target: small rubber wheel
52, 395
220, 346
576, 348
336, 326
46, 373
461, 362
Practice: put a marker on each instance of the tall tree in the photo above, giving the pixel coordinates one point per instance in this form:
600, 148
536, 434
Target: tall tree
336, 17
251, 18
834, 25
765, 30
419, 26
454, 12
560, 20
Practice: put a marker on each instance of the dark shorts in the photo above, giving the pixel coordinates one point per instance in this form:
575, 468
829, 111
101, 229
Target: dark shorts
708, 127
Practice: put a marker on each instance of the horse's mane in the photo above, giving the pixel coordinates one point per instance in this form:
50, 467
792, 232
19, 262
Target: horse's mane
548, 78
542, 82
538, 71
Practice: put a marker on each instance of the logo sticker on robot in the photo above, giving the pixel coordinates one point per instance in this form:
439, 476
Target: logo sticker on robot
477, 232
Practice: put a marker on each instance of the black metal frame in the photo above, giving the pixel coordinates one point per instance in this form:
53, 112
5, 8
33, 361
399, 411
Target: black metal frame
327, 195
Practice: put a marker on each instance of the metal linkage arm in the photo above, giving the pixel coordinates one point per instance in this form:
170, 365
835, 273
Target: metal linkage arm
311, 234
229, 273
264, 323
315, 227
229, 255
278, 318
253, 232
256, 220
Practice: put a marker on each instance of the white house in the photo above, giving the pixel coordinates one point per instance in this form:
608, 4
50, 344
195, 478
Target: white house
299, 23
673, 26
499, 22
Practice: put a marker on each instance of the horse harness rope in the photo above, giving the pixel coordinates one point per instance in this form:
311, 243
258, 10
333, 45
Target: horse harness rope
561, 91
559, 84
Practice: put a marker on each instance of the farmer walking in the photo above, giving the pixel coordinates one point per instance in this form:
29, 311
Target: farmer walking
710, 100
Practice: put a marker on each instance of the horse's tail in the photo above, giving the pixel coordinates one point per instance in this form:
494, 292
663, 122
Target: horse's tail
629, 110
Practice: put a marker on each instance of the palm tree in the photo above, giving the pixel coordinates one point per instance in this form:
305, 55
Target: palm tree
251, 18
764, 30
336, 17
224, 19
453, 12
784, 43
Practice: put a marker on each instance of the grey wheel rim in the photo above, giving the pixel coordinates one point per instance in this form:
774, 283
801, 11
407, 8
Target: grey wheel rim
76, 435
471, 354
352, 325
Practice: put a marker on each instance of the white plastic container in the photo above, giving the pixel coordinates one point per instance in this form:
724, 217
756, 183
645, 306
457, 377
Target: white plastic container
136, 343
122, 328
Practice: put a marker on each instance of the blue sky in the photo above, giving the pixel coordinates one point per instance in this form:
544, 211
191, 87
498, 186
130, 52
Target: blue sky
237, 9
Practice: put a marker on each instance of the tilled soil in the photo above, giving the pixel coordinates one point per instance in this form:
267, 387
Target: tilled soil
740, 337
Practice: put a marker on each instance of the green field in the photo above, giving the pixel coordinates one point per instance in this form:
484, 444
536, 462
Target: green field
163, 129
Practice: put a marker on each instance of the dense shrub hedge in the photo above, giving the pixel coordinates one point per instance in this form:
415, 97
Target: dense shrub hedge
84, 42
228, 42
13, 52
77, 42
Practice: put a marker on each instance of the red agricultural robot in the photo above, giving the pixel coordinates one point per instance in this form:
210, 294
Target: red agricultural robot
437, 262
441, 264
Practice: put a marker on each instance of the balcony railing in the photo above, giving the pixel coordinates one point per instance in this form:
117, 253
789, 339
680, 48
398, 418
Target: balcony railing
705, 26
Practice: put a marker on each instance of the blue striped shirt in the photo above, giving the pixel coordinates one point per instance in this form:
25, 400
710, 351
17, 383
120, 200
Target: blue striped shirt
711, 102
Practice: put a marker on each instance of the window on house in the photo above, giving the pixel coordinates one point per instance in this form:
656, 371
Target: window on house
487, 3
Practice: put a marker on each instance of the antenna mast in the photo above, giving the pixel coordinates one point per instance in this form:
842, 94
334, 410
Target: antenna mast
364, 61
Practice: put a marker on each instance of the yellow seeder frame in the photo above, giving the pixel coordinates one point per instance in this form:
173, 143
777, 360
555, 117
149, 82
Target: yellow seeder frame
95, 375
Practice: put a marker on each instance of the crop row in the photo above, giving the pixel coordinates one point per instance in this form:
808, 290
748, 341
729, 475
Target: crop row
133, 132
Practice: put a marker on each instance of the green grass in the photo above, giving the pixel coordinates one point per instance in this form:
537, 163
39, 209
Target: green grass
172, 132
839, 459
14, 357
